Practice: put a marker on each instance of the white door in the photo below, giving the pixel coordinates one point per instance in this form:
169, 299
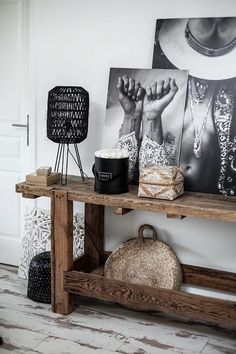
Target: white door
15, 146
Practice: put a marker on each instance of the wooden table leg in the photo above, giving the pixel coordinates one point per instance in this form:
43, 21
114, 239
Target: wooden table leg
94, 234
62, 250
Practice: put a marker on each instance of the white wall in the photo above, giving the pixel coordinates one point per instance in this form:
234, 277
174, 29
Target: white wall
76, 43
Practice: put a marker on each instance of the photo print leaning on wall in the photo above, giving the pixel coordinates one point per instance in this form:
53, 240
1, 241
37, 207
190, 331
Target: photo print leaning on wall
206, 47
144, 114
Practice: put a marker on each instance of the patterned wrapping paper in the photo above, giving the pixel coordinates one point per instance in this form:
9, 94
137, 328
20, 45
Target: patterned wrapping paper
161, 182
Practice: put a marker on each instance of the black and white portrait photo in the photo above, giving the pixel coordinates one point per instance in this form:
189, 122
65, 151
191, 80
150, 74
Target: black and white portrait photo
206, 47
144, 114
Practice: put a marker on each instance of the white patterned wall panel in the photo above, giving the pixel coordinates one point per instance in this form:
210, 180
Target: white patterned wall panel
37, 237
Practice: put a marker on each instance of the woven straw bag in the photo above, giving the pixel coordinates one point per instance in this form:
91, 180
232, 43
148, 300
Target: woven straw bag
145, 261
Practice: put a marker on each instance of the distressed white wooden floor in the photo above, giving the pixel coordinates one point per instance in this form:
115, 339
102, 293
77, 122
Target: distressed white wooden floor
97, 328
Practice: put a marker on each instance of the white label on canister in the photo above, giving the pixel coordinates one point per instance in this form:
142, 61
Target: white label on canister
104, 176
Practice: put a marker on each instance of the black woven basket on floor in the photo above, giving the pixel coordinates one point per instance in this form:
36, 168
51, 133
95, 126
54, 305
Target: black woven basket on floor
39, 279
67, 115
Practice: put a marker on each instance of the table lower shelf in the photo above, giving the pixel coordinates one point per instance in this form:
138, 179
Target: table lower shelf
84, 279
195, 307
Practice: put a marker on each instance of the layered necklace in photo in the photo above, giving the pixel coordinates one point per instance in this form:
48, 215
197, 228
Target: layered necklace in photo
200, 103
223, 109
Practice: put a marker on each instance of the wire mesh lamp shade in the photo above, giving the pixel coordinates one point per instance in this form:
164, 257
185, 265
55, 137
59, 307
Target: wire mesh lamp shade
67, 123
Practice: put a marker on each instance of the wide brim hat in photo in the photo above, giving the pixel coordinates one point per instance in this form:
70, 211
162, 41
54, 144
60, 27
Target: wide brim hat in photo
206, 47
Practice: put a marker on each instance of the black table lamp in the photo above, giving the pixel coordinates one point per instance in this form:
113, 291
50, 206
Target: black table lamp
67, 123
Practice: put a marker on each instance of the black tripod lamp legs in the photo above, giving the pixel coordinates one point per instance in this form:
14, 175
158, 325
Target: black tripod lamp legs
62, 158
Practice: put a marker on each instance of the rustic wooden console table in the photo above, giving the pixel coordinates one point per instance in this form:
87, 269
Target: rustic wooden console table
85, 275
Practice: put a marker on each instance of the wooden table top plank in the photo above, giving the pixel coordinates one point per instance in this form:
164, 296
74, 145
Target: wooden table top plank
209, 206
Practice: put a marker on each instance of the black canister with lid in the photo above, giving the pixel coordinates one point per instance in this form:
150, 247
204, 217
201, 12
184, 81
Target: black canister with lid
111, 171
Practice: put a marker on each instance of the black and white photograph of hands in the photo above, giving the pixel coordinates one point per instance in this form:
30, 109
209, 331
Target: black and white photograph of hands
145, 104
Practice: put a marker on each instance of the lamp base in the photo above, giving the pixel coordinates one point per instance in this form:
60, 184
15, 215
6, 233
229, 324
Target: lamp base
62, 160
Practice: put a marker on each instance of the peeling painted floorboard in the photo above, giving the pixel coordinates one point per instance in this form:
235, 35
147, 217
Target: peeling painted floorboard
96, 327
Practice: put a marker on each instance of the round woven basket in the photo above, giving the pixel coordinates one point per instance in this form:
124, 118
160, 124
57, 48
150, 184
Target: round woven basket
145, 261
